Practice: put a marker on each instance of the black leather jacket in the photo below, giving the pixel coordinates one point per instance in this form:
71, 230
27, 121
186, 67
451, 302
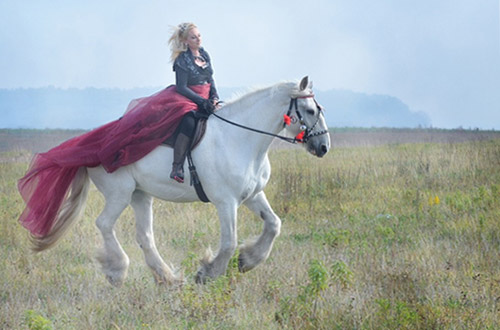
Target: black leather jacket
188, 73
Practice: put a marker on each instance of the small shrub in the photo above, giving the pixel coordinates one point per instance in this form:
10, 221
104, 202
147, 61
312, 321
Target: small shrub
397, 315
341, 273
35, 321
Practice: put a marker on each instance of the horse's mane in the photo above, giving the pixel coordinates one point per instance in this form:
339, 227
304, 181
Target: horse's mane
289, 88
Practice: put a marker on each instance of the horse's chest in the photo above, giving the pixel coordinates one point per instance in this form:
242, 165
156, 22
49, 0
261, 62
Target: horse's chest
254, 182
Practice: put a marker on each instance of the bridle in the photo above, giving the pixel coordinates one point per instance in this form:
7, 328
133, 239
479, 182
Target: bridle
306, 132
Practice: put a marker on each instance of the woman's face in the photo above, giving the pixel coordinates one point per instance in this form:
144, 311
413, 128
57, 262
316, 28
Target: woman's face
194, 39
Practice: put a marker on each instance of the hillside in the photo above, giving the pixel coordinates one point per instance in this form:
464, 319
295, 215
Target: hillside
350, 109
87, 108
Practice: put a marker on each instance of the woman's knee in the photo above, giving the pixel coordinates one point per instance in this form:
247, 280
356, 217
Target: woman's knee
188, 125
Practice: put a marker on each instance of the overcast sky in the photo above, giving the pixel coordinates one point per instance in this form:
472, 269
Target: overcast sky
438, 56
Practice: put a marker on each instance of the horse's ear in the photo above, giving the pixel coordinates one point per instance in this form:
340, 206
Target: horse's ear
304, 83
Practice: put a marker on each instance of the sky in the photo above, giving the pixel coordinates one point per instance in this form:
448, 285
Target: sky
441, 57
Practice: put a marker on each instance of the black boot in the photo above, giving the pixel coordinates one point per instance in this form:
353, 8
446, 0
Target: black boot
181, 145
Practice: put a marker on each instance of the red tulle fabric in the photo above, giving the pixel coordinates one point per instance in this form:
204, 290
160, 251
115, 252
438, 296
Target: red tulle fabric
146, 124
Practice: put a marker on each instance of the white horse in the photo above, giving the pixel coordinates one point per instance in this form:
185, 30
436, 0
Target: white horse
233, 167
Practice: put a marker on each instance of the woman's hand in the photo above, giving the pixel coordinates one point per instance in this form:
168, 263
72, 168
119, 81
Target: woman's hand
206, 107
217, 103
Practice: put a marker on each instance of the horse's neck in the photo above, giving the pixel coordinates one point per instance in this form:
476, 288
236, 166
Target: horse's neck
260, 111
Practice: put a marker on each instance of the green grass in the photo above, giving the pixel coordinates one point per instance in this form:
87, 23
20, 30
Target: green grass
389, 237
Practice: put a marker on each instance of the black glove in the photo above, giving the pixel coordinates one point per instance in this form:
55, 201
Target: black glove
207, 107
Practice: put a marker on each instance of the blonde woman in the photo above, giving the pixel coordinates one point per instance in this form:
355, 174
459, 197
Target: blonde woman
194, 77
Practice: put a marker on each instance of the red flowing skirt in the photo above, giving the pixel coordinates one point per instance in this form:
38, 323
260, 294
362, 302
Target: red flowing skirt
147, 123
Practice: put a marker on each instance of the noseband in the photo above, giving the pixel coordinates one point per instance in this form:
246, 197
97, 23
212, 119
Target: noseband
306, 132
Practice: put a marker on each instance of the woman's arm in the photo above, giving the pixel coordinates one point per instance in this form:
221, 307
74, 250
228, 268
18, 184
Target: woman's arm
213, 90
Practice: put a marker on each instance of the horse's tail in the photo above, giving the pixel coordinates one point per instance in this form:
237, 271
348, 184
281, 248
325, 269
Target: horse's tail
70, 211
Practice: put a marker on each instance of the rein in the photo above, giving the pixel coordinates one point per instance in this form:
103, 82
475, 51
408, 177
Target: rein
284, 138
301, 137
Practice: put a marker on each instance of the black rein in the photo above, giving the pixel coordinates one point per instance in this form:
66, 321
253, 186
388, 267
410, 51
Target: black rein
293, 102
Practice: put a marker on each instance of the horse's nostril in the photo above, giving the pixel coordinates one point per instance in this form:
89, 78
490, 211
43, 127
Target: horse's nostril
324, 148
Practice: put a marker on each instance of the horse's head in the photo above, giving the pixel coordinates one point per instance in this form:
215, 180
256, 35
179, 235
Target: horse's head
306, 121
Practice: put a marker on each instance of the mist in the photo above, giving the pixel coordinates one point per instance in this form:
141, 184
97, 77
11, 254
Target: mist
439, 58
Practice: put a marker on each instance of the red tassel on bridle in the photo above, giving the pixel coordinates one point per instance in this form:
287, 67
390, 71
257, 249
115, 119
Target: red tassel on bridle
300, 137
287, 120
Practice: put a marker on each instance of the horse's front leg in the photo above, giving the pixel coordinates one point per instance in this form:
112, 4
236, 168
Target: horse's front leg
214, 267
255, 252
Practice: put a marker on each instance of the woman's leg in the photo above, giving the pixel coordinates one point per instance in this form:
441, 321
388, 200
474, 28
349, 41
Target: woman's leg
182, 143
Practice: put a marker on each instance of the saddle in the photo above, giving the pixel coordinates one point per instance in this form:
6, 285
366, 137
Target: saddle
199, 132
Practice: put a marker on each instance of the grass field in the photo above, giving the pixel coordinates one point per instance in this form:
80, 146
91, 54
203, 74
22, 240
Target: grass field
403, 233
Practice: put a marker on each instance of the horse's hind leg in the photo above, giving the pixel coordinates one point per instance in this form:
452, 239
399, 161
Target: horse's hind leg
253, 253
142, 204
114, 261
117, 189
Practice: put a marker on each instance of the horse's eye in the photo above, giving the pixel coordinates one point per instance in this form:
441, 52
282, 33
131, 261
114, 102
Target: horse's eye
311, 112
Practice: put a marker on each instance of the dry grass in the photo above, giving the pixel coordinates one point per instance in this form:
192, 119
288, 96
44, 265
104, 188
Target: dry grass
399, 236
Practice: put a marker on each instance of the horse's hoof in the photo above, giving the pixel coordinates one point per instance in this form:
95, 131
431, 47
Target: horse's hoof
200, 277
116, 282
172, 281
241, 265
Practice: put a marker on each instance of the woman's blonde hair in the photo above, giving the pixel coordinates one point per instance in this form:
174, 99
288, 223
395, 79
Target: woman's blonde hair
178, 39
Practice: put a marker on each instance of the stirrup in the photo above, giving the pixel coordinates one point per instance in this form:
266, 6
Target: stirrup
177, 173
